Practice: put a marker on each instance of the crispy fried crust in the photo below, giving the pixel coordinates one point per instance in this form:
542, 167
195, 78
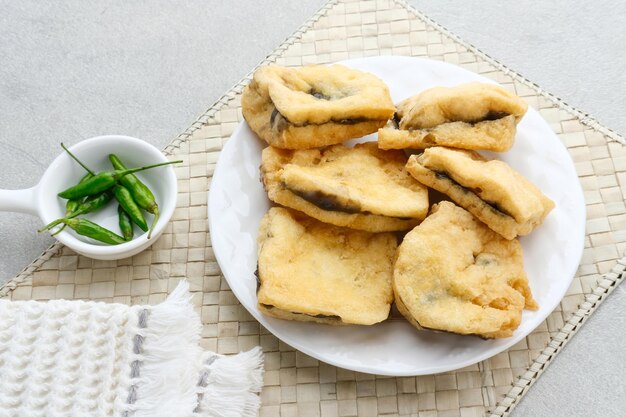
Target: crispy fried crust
472, 102
494, 135
310, 271
313, 106
491, 190
454, 274
363, 187
469, 116
278, 313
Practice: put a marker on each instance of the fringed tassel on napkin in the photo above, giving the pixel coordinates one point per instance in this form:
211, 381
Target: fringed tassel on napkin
173, 376
169, 356
62, 358
229, 385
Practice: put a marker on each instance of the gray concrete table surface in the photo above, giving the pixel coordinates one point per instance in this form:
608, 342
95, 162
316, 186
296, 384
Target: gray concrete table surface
76, 69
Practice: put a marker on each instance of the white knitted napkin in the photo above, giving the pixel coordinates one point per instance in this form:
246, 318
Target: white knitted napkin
76, 358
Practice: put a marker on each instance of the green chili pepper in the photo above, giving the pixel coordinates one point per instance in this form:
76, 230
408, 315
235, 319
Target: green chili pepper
140, 191
72, 205
122, 195
91, 203
126, 226
103, 181
89, 229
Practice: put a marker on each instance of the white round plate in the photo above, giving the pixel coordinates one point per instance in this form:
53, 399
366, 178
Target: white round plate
237, 202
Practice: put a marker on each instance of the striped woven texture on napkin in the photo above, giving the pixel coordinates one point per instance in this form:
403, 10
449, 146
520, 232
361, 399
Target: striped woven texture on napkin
79, 358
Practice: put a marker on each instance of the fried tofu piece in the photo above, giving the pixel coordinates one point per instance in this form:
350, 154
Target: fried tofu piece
476, 116
454, 274
311, 271
363, 188
316, 105
490, 189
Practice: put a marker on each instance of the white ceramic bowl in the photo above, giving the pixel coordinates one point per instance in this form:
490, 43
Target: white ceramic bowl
64, 172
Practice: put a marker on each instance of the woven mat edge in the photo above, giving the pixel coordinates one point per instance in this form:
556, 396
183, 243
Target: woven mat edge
592, 301
606, 285
203, 119
584, 118
608, 282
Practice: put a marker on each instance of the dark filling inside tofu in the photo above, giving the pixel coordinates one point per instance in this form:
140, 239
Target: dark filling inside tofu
491, 116
317, 316
352, 121
495, 115
497, 209
319, 96
274, 115
448, 331
330, 203
488, 117
258, 279
279, 122
396, 120
325, 201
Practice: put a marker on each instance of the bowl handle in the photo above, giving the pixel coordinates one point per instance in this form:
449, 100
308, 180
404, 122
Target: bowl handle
21, 201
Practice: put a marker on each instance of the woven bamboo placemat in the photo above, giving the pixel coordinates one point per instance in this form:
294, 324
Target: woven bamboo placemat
296, 384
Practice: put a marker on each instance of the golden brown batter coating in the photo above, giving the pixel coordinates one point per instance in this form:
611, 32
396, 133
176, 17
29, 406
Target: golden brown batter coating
311, 271
494, 135
490, 189
362, 188
312, 106
456, 275
469, 116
